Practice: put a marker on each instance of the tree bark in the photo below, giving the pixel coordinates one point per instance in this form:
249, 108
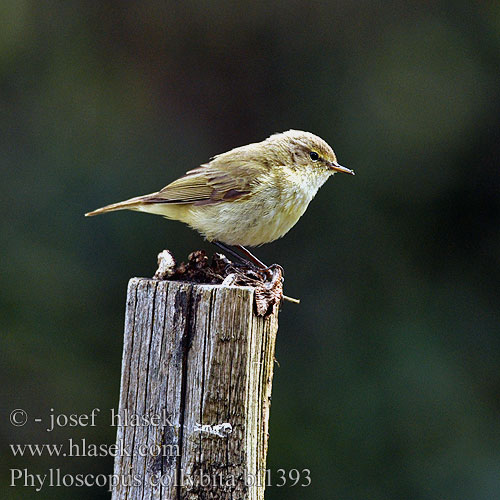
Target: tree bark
195, 393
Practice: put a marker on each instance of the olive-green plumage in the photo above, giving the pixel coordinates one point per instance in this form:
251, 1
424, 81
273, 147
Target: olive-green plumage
250, 195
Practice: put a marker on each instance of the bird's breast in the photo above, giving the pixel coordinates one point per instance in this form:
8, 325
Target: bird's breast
267, 214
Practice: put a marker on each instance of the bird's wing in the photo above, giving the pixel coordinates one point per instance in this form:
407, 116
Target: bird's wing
225, 178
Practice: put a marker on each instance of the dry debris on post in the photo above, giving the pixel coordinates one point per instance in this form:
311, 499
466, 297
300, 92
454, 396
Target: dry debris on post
220, 270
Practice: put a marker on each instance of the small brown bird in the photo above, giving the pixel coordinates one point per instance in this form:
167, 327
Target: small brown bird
248, 196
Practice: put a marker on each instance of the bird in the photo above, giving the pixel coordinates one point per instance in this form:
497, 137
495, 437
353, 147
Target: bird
248, 196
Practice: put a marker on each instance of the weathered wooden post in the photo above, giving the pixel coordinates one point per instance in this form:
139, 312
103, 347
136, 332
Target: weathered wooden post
195, 393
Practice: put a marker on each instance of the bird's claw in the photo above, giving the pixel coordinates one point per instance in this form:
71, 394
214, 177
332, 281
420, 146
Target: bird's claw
272, 273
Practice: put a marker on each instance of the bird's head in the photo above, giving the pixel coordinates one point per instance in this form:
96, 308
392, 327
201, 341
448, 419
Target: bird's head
304, 149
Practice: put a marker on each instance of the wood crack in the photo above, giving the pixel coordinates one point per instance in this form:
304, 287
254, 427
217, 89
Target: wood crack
186, 344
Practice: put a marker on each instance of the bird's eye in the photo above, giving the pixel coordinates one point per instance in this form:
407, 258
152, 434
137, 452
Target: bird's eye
314, 156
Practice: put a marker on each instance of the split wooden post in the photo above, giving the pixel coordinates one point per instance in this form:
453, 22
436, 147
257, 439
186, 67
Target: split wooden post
195, 393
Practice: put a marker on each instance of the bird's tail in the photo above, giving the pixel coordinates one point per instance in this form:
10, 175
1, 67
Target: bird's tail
132, 204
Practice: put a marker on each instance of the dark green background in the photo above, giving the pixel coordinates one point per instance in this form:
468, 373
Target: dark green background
389, 377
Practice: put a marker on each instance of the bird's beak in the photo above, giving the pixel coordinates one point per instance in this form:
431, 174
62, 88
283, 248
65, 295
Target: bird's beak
339, 168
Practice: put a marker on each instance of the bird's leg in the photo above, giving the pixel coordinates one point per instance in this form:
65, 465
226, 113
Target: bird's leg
269, 271
272, 272
251, 257
233, 253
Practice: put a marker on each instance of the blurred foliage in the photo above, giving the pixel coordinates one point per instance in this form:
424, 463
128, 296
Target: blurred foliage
388, 380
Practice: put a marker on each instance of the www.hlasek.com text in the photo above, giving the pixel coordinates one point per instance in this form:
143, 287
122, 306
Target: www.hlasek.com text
82, 448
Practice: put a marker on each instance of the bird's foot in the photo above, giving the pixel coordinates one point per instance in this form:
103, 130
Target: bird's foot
270, 273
